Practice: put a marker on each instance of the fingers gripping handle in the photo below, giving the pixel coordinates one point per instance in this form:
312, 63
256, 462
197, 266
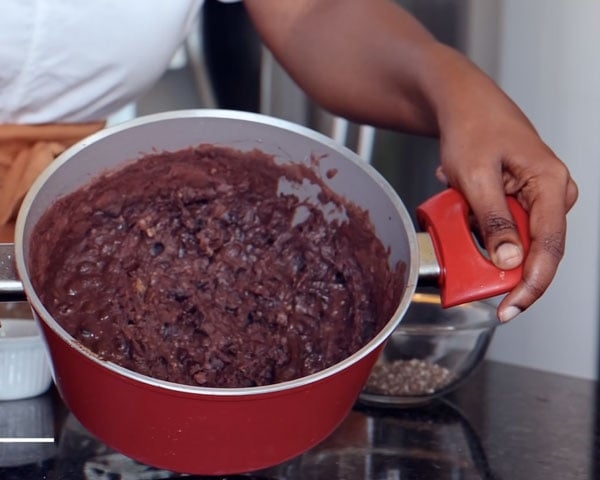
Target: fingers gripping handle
466, 274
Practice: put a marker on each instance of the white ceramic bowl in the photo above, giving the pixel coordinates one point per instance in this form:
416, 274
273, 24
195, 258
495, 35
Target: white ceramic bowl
24, 368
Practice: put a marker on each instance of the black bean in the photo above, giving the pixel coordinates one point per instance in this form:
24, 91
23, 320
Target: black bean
156, 249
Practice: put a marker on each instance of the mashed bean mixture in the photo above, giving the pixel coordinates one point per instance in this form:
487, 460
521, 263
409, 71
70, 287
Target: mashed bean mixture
193, 267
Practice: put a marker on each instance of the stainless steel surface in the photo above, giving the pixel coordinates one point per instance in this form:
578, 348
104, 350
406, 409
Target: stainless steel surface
429, 267
31, 418
11, 288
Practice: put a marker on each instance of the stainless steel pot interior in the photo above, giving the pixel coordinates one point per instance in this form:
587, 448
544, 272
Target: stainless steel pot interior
287, 142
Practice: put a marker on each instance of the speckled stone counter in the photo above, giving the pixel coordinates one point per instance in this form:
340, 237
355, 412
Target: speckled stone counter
504, 422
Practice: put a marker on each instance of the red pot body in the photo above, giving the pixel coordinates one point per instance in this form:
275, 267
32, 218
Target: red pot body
201, 430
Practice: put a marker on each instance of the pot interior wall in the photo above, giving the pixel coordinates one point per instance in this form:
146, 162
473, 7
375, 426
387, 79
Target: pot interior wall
287, 142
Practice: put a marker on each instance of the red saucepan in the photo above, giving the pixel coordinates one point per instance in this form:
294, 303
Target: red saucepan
216, 430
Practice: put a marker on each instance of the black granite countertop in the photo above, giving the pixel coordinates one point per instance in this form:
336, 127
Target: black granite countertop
504, 422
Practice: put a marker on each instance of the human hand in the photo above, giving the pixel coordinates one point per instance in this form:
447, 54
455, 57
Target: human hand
501, 154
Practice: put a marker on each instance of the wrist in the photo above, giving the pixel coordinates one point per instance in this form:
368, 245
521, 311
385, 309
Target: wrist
458, 92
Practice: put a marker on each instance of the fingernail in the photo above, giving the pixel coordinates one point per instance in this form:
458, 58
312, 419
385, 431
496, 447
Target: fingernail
507, 314
508, 256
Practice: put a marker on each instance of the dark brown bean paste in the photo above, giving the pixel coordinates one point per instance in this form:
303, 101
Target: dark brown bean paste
189, 267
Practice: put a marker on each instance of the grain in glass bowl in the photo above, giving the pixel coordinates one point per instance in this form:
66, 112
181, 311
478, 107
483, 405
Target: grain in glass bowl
431, 352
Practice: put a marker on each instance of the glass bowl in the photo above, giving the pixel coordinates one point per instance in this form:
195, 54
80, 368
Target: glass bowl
431, 352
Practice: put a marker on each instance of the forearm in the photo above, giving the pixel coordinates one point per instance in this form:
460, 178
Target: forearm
358, 58
371, 61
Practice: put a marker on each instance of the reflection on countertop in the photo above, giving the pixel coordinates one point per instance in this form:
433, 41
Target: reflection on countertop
505, 422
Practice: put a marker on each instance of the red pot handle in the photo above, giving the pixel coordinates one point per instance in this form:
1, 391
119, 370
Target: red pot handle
466, 274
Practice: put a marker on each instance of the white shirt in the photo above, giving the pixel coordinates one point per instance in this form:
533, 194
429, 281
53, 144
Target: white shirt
77, 61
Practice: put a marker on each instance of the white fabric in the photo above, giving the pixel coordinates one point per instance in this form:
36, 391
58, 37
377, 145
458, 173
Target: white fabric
75, 61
